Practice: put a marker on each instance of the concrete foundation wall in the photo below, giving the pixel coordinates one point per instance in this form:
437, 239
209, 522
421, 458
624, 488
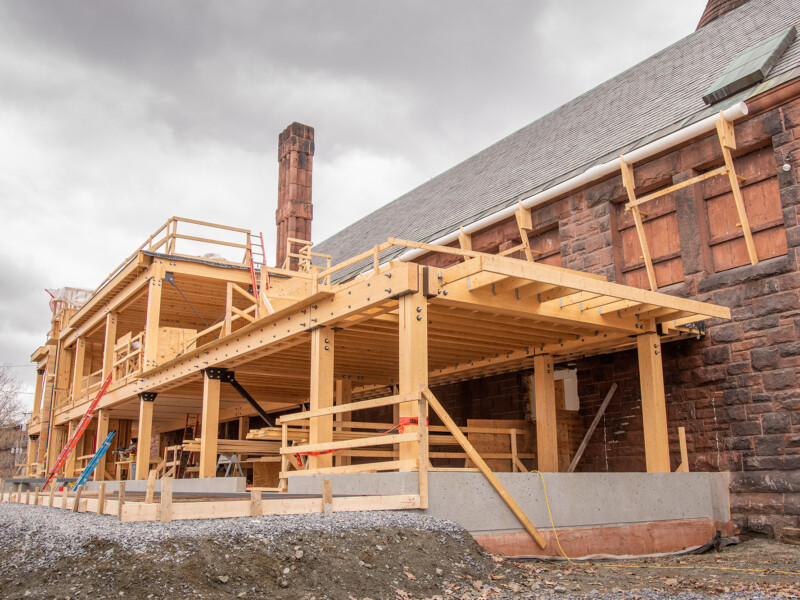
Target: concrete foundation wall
576, 499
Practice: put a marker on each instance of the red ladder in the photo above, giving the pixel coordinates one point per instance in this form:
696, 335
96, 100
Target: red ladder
77, 434
256, 252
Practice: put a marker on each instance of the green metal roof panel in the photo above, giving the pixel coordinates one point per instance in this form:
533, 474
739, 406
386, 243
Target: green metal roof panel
750, 66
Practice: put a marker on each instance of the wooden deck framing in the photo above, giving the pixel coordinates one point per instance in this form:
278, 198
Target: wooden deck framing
169, 327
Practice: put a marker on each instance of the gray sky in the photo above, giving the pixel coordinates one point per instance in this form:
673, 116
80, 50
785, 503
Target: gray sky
116, 115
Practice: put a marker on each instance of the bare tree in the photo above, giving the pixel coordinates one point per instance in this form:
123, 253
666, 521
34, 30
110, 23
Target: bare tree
12, 429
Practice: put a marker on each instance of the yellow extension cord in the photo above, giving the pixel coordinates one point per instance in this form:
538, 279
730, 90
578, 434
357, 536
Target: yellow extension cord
564, 554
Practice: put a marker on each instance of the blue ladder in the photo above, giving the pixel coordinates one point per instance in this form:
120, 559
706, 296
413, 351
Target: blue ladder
101, 451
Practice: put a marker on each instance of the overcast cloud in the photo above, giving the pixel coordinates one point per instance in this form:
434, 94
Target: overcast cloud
116, 115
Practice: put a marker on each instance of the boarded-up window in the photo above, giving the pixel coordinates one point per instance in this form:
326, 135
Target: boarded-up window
661, 230
763, 205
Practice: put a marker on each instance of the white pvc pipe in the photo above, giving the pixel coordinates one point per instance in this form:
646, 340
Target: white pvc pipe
592, 174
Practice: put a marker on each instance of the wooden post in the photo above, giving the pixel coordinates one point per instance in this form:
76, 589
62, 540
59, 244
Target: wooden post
30, 461
684, 466
108, 344
327, 496
153, 318
244, 427
166, 500
64, 498
208, 435
654, 408
101, 499
422, 464
37, 393
77, 503
146, 402
256, 509
321, 393
151, 486
343, 395
102, 432
121, 498
52, 494
27, 496
413, 353
546, 431
36, 496
2, 491
69, 466
77, 372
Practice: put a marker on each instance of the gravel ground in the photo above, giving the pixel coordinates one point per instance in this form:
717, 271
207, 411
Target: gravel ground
47, 553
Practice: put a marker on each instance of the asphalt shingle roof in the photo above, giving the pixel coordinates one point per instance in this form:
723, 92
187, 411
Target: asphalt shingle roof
657, 96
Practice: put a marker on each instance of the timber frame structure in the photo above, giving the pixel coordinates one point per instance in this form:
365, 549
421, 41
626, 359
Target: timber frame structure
383, 338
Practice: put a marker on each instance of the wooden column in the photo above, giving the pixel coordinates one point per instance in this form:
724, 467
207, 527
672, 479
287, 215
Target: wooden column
77, 371
413, 334
108, 343
321, 393
152, 322
146, 402
37, 394
654, 407
343, 395
546, 431
244, 427
32, 443
210, 429
102, 431
69, 467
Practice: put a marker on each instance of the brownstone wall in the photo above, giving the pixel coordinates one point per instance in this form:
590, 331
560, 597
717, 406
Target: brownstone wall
736, 389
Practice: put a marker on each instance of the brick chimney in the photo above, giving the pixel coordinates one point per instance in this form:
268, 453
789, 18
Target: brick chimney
716, 8
294, 214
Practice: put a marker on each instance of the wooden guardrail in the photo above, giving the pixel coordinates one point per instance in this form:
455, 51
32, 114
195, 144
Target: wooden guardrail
290, 453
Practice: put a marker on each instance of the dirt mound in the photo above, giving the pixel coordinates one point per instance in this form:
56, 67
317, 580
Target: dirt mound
373, 563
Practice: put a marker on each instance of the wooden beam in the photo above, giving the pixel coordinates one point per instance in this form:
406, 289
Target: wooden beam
727, 140
110, 339
630, 185
546, 430
321, 393
208, 434
483, 467
592, 427
654, 409
413, 356
145, 433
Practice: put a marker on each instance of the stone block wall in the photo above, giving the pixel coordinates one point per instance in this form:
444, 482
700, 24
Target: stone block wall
735, 390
